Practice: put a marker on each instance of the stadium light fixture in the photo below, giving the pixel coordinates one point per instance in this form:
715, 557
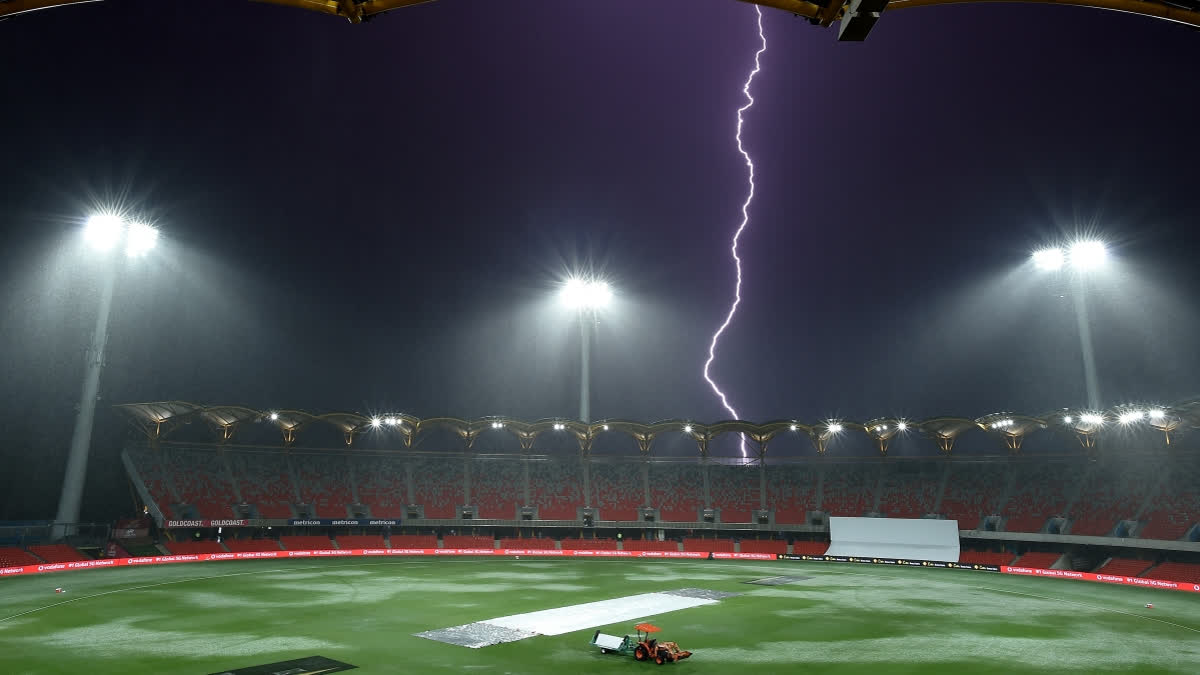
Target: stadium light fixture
1067, 419
687, 428
274, 416
582, 294
1048, 259
792, 427
1157, 414
834, 428
1092, 418
902, 426
103, 230
605, 427
140, 238
1088, 254
375, 422
1130, 416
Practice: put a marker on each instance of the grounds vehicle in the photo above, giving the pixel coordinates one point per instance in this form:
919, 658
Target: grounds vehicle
644, 647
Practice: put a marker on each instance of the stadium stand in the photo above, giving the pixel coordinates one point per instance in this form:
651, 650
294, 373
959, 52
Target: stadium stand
264, 482
1175, 571
910, 490
56, 553
1038, 494
351, 541
1037, 559
649, 545
438, 485
155, 475
973, 490
762, 546
810, 547
849, 489
677, 490
985, 558
555, 488
414, 540
306, 542
381, 485
528, 543
1113, 492
1128, 567
468, 541
193, 547
570, 544
251, 545
1177, 508
11, 556
734, 490
791, 489
324, 483
707, 545
497, 488
618, 489
202, 481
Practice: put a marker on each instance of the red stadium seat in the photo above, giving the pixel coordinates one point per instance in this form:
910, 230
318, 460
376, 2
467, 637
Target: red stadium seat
251, 545
762, 546
708, 545
1037, 559
1127, 567
354, 541
56, 553
11, 556
315, 542
193, 547
466, 541
414, 541
589, 544
649, 545
528, 543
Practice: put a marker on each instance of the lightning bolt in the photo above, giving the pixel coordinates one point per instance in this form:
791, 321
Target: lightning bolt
733, 249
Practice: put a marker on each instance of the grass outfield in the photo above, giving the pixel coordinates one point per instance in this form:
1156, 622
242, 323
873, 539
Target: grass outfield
205, 618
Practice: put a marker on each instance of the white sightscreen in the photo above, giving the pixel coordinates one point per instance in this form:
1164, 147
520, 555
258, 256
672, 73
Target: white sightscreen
919, 539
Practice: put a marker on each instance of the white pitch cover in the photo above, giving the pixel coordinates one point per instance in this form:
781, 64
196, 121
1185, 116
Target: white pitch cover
907, 538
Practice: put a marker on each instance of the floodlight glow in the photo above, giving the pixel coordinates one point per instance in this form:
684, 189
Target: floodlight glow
1048, 259
687, 428
559, 426
103, 231
1157, 414
1086, 255
390, 421
580, 294
902, 426
139, 239
375, 422
1091, 418
274, 416
1130, 417
793, 427
835, 428
497, 425
1067, 419
605, 427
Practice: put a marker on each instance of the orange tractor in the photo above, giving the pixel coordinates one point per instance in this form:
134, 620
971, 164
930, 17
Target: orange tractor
644, 647
650, 648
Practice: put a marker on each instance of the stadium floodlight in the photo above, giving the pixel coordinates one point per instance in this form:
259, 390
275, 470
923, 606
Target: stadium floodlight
834, 428
274, 416
1088, 254
103, 230
140, 238
1048, 259
559, 426
902, 426
687, 428
1130, 416
376, 422
1157, 414
605, 427
792, 427
1092, 418
585, 296
390, 421
1067, 419
497, 425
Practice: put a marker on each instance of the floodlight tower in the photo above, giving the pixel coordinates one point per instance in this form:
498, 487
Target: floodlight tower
1080, 258
103, 233
587, 297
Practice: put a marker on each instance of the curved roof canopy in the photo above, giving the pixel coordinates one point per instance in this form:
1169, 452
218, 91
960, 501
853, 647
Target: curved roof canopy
160, 419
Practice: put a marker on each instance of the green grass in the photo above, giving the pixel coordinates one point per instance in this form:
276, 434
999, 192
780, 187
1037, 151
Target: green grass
203, 618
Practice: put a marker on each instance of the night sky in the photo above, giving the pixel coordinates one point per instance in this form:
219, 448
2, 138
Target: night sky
375, 217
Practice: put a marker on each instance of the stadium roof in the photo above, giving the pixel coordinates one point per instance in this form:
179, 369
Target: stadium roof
159, 419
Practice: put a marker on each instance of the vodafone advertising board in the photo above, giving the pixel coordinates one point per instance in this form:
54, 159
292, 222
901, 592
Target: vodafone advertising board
252, 555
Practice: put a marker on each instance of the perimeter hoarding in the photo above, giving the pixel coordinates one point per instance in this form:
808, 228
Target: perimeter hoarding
343, 553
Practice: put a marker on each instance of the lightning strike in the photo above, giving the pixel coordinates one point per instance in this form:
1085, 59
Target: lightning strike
733, 250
